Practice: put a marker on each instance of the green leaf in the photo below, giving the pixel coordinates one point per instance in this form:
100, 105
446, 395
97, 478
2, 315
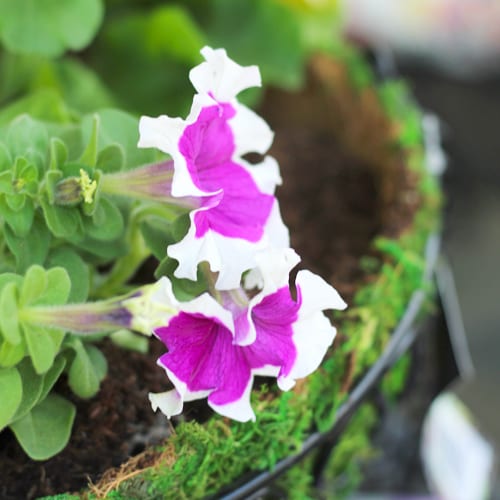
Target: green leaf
184, 289
45, 431
52, 376
9, 323
58, 288
118, 127
63, 222
48, 27
41, 347
171, 31
87, 369
32, 389
5, 157
44, 104
58, 153
270, 37
128, 340
111, 158
20, 220
30, 249
11, 354
106, 223
6, 278
34, 284
89, 155
157, 237
28, 138
105, 252
77, 269
11, 393
81, 88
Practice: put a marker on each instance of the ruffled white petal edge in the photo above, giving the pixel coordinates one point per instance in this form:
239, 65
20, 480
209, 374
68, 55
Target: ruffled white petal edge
313, 332
265, 174
251, 133
221, 77
208, 307
162, 133
240, 409
230, 257
171, 402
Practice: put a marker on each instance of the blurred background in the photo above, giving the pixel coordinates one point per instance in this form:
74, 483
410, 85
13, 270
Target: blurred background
449, 50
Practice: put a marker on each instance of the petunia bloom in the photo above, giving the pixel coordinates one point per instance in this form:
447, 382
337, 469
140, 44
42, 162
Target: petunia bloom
238, 214
205, 358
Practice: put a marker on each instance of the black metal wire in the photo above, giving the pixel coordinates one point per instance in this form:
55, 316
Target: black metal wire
401, 339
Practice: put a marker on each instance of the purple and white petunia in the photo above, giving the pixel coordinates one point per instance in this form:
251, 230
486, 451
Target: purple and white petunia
238, 214
209, 354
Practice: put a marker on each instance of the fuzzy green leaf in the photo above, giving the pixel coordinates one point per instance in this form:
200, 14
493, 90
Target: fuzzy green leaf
34, 284
48, 27
41, 347
11, 393
129, 340
18, 212
51, 377
106, 223
87, 369
58, 153
63, 222
11, 354
28, 138
9, 323
5, 158
32, 389
111, 158
32, 248
157, 237
118, 127
77, 269
46, 429
89, 155
58, 288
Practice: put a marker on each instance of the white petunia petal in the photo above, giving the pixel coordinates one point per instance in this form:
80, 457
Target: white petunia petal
221, 76
317, 294
170, 403
272, 271
207, 306
265, 174
252, 134
239, 410
312, 337
230, 257
313, 332
162, 133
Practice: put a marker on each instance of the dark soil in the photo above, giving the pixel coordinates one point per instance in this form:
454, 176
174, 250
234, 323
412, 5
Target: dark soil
328, 200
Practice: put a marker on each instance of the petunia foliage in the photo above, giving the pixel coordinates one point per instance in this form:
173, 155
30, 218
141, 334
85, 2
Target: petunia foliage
82, 207
89, 192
